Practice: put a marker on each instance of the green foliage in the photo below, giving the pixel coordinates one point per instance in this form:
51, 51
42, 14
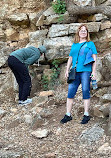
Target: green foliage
49, 84
59, 6
45, 82
61, 18
55, 74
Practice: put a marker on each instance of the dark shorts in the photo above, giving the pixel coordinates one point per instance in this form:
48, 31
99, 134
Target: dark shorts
81, 78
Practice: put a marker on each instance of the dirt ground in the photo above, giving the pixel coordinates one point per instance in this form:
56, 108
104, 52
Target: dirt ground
63, 139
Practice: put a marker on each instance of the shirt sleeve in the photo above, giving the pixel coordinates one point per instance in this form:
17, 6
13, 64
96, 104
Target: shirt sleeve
31, 60
93, 48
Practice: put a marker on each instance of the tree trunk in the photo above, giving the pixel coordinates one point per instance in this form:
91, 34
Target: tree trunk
74, 9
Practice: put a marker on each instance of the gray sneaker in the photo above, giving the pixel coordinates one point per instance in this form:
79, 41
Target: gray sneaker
28, 101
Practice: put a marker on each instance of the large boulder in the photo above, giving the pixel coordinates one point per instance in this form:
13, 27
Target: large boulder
4, 52
82, 3
50, 17
58, 48
99, 68
20, 19
106, 70
37, 38
68, 29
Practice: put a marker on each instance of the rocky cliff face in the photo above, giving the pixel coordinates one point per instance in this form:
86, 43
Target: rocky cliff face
34, 22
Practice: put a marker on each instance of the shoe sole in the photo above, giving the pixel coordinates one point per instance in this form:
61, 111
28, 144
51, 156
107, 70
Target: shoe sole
85, 123
24, 104
64, 122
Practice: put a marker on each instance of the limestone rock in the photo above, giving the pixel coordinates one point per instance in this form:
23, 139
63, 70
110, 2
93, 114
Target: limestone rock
32, 4
37, 122
40, 100
91, 135
41, 133
11, 34
98, 2
49, 12
58, 30
107, 2
2, 113
50, 17
2, 35
4, 52
58, 49
106, 70
100, 92
40, 21
92, 27
50, 155
106, 98
99, 68
45, 113
105, 25
105, 109
37, 38
6, 82
36, 110
37, 35
20, 19
11, 154
82, 3
63, 18
62, 74
28, 119
33, 18
97, 17
67, 29
47, 93
104, 149
97, 111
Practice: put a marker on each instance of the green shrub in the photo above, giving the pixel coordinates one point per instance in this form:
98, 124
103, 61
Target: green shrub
59, 6
49, 84
55, 73
45, 82
61, 18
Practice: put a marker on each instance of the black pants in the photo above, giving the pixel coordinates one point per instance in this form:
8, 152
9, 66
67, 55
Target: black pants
22, 76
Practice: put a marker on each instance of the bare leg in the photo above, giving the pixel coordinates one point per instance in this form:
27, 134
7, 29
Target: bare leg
86, 116
86, 105
69, 105
68, 108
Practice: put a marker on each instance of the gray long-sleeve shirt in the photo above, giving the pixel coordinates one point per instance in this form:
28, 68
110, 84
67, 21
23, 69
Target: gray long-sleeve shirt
28, 55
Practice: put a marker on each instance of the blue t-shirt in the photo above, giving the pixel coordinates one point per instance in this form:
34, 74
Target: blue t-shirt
82, 55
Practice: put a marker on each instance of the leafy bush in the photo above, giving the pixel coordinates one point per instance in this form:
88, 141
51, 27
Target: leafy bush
59, 6
49, 84
45, 82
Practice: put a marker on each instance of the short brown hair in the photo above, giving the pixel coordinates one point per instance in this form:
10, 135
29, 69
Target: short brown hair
77, 38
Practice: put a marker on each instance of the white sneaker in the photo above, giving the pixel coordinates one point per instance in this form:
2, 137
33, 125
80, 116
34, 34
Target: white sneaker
28, 101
